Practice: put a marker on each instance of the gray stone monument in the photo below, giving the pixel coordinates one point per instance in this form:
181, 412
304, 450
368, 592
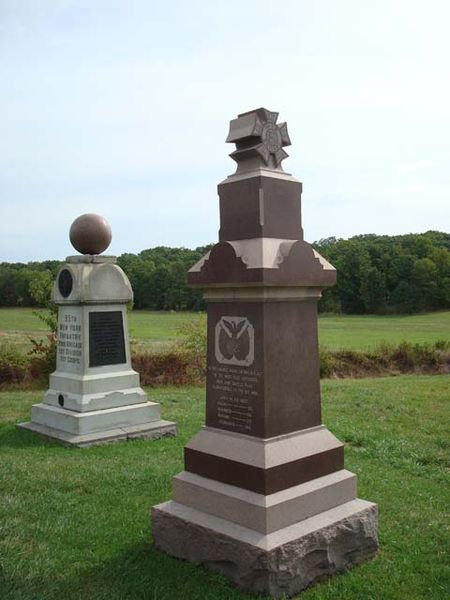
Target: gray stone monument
264, 498
94, 394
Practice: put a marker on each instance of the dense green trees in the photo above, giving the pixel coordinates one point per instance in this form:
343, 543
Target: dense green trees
16, 279
376, 274
380, 274
158, 278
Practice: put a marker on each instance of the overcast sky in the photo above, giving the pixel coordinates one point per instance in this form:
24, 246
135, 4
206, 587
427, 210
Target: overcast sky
122, 108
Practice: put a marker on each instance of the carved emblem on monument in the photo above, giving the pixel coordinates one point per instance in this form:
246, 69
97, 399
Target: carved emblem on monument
257, 135
235, 341
65, 283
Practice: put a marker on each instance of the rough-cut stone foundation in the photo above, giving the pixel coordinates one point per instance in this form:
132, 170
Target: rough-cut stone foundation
282, 563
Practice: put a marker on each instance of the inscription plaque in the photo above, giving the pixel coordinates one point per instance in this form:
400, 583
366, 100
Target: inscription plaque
106, 339
69, 339
235, 368
235, 391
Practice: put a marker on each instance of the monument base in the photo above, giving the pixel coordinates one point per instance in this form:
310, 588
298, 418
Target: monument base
91, 427
281, 563
149, 431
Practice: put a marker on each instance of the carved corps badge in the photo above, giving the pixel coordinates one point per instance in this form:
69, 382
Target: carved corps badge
235, 341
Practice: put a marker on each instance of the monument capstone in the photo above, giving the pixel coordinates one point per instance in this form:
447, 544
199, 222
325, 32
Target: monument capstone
94, 394
264, 497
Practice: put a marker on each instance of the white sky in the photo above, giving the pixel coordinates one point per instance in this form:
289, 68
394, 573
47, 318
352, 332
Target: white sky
122, 108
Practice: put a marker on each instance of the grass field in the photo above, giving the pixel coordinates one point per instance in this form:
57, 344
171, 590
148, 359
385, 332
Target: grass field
74, 524
157, 330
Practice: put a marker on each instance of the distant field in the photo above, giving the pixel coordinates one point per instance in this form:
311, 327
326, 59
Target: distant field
362, 332
148, 330
158, 330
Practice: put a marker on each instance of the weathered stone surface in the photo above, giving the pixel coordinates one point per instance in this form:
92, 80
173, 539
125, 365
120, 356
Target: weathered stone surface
255, 564
149, 431
264, 513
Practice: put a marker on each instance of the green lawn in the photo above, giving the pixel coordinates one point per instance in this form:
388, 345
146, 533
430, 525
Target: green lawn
159, 329
74, 524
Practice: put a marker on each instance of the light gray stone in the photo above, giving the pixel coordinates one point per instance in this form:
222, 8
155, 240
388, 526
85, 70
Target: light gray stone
80, 423
94, 394
95, 401
257, 511
149, 431
280, 564
95, 282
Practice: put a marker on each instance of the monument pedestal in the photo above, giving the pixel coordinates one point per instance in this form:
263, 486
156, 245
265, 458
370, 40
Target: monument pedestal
274, 515
281, 563
264, 498
145, 429
94, 395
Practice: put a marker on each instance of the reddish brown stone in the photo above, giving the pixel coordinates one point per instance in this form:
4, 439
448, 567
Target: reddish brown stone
260, 207
300, 267
263, 355
263, 433
90, 234
279, 391
264, 481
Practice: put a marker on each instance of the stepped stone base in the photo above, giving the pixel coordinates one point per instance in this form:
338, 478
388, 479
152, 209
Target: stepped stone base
281, 563
151, 431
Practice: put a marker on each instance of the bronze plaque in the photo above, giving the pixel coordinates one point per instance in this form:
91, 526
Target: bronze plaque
65, 283
106, 339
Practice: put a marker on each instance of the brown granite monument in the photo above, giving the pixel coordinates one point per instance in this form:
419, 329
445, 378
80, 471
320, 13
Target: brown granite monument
264, 498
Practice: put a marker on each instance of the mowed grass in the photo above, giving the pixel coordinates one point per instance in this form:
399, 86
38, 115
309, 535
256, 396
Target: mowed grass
158, 330
367, 331
74, 524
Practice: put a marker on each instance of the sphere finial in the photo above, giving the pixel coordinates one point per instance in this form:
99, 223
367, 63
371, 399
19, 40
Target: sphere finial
90, 234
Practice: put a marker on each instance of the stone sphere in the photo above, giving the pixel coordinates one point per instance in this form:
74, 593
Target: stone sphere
90, 234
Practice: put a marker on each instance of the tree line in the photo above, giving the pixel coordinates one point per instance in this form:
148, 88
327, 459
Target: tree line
376, 274
388, 274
